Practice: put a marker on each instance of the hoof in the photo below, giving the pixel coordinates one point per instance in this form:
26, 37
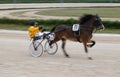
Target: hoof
89, 46
90, 58
67, 56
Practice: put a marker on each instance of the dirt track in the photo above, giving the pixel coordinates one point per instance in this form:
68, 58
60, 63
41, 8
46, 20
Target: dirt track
28, 11
15, 61
54, 5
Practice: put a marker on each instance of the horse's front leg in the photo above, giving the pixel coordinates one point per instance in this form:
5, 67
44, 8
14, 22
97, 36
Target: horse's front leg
92, 43
86, 50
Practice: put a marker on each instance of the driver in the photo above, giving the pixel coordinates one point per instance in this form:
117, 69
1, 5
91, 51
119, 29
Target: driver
33, 29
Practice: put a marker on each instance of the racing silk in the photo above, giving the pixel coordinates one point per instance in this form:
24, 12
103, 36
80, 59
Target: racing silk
40, 35
33, 30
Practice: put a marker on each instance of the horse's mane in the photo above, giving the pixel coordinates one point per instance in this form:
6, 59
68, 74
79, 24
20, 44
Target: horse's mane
85, 18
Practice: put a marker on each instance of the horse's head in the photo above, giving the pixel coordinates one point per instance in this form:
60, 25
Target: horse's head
98, 23
92, 21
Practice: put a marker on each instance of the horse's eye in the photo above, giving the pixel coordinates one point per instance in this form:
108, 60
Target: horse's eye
97, 19
97, 22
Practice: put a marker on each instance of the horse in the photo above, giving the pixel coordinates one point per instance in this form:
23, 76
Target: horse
88, 23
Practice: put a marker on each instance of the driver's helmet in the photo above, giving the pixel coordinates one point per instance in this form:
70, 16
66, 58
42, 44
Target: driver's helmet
33, 23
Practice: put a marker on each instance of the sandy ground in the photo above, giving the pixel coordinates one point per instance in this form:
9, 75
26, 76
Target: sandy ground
52, 5
19, 12
15, 60
31, 14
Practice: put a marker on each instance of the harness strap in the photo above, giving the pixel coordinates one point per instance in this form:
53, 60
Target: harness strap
76, 30
78, 39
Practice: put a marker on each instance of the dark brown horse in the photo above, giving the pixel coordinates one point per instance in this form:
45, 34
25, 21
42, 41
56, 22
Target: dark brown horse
87, 24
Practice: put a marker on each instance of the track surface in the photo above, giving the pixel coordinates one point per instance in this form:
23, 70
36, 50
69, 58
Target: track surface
28, 11
54, 5
15, 60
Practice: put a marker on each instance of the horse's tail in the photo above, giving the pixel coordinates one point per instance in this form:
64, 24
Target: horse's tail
53, 29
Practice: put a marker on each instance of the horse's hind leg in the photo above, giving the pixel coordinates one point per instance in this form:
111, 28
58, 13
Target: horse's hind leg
86, 50
91, 45
54, 41
63, 47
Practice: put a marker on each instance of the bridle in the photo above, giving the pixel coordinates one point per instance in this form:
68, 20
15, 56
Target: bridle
97, 23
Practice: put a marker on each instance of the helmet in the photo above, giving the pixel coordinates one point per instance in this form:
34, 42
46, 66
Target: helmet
33, 23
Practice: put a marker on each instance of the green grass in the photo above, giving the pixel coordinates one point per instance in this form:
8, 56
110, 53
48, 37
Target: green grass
103, 12
13, 27
19, 13
56, 1
25, 28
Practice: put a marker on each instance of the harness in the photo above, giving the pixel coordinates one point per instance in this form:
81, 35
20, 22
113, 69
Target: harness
76, 30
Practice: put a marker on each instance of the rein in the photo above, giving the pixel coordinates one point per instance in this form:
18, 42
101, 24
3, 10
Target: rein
86, 28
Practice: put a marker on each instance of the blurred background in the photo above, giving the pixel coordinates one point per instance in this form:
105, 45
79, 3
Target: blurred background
59, 1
